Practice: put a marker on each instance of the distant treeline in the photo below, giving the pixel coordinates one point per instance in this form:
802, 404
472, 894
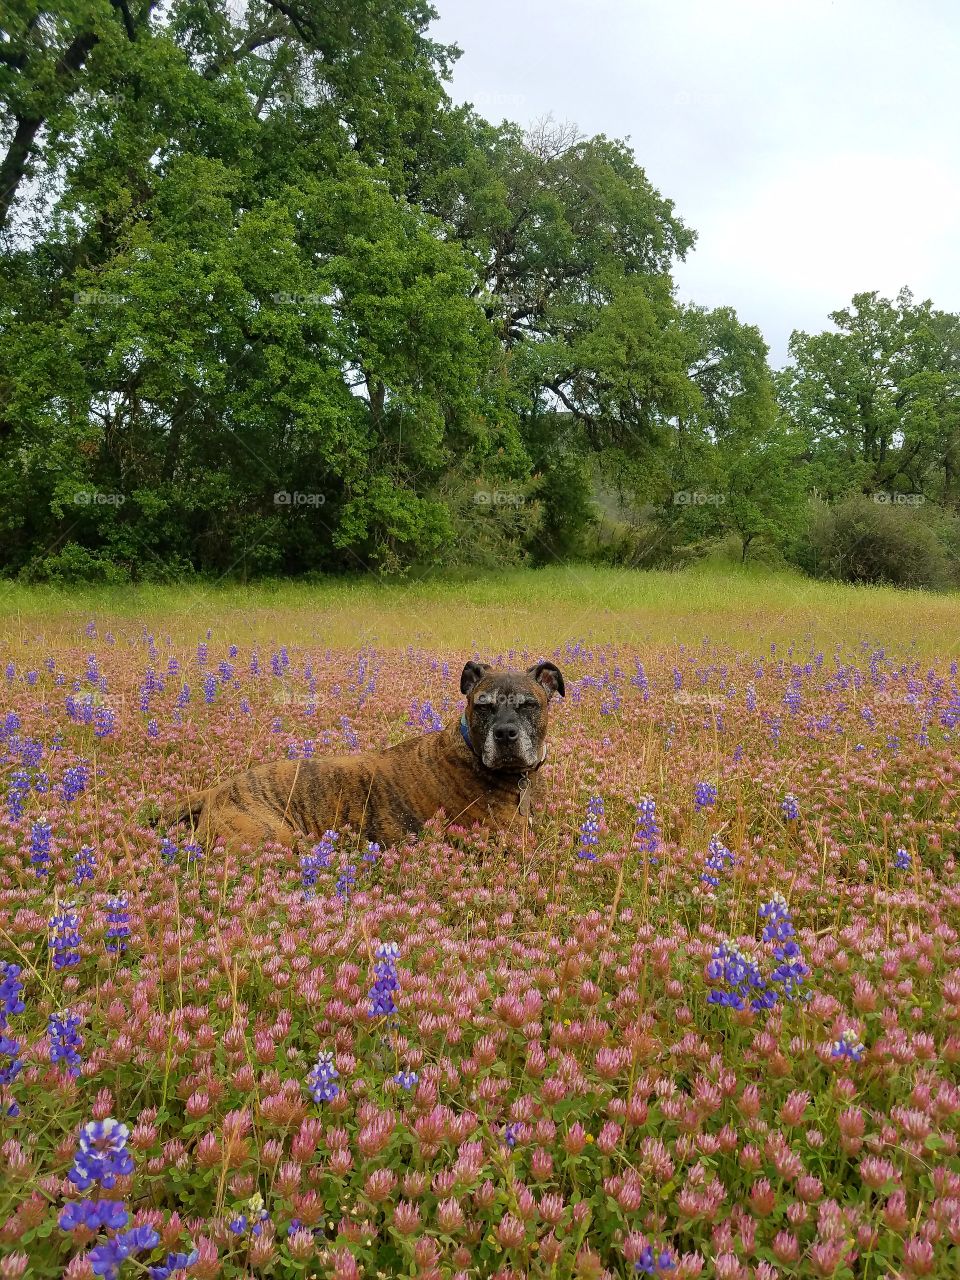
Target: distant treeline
271, 304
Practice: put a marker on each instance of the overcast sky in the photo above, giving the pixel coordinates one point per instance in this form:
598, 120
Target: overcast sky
814, 145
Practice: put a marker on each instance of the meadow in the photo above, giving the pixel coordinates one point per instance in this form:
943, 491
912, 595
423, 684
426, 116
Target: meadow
703, 1021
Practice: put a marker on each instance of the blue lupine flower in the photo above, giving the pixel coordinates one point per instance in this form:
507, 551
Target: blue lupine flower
319, 858
153, 729
589, 830
349, 737
345, 883
174, 1262
647, 834
40, 836
201, 654
790, 970
118, 917
74, 782
11, 992
168, 850
209, 688
84, 865
406, 1079
104, 721
848, 1046
93, 1214
193, 851
422, 716
704, 796
63, 1030
510, 1135
745, 986
789, 807
651, 1264
18, 788
373, 852
718, 855
792, 698
183, 697
107, 1259
64, 938
31, 753
238, 1225
382, 1003
11, 1004
320, 1081
103, 1156
902, 860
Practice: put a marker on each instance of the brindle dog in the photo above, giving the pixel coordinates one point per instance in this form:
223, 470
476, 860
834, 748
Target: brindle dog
482, 768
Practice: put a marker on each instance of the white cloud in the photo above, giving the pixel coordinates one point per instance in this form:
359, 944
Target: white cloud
811, 144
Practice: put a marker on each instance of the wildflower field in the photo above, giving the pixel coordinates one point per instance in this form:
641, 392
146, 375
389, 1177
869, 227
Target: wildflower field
704, 1021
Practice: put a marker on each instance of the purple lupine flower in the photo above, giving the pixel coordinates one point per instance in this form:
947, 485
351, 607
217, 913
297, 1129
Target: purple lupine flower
646, 837
63, 1032
320, 1081
64, 938
902, 860
590, 828
93, 1214
40, 836
17, 790
790, 970
102, 1157
74, 782
107, 1258
743, 984
312, 863
118, 918
104, 721
345, 882
789, 807
11, 1004
718, 855
174, 1262
382, 1003
848, 1046
84, 865
704, 796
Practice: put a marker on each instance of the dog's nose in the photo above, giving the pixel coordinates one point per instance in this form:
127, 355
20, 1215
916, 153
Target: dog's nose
506, 733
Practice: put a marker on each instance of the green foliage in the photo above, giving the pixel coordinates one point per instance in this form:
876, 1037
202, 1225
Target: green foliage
862, 540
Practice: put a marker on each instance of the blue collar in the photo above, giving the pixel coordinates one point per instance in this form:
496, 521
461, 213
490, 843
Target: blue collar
465, 735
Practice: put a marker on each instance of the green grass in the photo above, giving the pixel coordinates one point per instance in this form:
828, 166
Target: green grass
537, 608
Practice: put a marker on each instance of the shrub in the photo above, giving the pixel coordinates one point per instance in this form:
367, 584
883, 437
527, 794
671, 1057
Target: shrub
862, 540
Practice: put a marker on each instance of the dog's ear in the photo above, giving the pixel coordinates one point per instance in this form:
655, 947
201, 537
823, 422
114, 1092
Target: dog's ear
549, 677
472, 672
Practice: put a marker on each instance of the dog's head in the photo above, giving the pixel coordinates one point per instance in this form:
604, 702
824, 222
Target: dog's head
506, 712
